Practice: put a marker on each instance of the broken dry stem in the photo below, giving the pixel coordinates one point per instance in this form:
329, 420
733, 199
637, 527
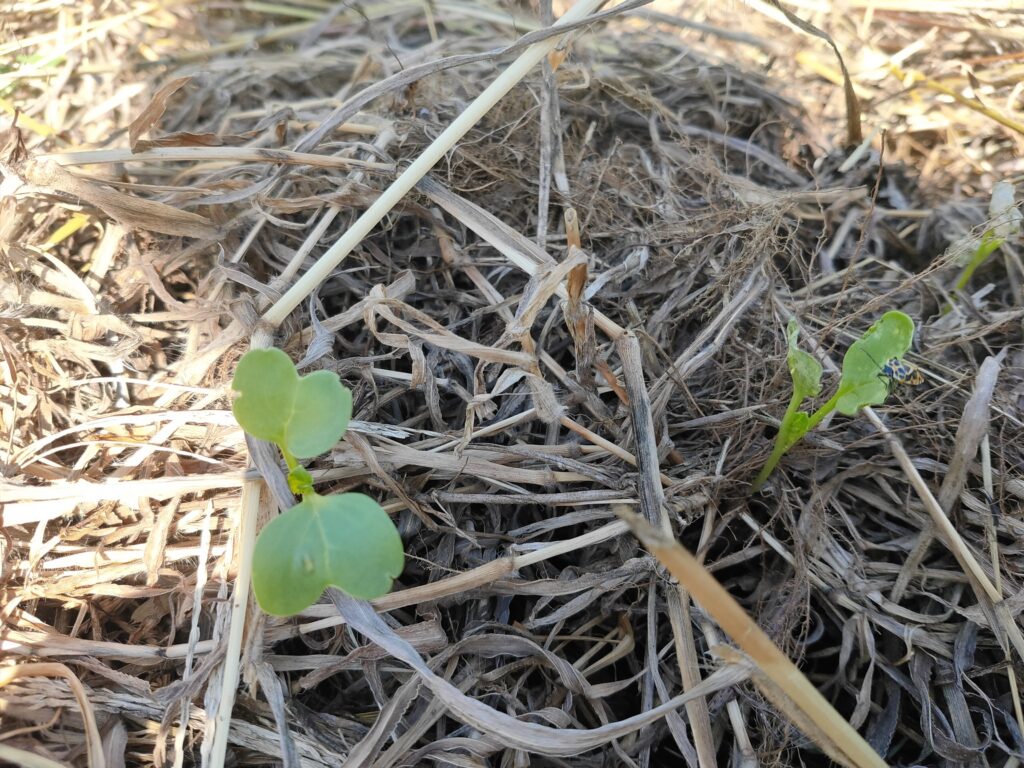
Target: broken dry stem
239, 603
735, 622
985, 590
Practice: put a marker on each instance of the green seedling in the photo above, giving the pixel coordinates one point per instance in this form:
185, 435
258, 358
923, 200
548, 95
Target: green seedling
863, 382
990, 242
1005, 219
346, 541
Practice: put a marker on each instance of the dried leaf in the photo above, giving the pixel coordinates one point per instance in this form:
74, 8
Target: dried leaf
180, 139
854, 135
506, 730
153, 111
133, 212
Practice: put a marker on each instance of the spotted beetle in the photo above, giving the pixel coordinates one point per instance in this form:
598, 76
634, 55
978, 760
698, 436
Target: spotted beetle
901, 372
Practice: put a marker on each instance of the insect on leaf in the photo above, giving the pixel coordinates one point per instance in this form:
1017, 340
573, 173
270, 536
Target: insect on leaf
861, 383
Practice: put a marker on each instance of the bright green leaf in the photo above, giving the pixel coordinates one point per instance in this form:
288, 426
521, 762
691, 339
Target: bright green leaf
265, 380
300, 481
346, 540
862, 383
305, 416
323, 407
805, 370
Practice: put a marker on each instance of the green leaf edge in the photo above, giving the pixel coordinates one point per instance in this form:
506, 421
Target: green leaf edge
861, 383
296, 597
330, 422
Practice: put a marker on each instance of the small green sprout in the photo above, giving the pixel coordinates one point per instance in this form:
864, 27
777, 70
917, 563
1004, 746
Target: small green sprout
1005, 219
348, 540
862, 383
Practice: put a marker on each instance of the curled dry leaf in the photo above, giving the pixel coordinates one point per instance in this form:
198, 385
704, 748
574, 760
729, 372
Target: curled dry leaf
153, 111
133, 212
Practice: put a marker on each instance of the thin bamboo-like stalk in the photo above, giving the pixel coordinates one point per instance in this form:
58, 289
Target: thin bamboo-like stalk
429, 157
770, 660
982, 585
239, 602
652, 498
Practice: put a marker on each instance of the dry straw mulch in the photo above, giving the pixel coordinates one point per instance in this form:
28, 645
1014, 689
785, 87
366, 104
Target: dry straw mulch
174, 168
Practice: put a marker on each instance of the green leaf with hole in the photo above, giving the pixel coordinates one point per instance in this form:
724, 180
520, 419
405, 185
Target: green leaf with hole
304, 415
862, 383
804, 369
346, 541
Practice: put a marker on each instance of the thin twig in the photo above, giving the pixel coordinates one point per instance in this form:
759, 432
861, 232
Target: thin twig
420, 166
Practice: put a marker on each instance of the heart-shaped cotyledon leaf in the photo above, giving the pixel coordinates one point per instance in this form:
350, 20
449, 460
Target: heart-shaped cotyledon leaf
346, 541
862, 383
304, 415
